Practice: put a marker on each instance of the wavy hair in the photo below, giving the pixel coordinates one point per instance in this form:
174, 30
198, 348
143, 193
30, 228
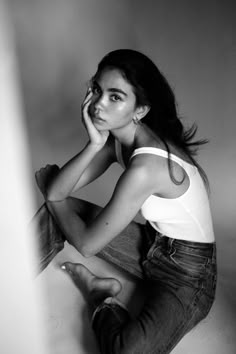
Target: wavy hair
151, 88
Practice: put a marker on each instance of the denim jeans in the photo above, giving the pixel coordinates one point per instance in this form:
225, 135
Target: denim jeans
180, 278
180, 281
124, 251
50, 240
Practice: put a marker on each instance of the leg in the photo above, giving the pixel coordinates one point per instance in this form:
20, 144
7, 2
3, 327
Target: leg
157, 329
180, 290
50, 239
126, 251
163, 321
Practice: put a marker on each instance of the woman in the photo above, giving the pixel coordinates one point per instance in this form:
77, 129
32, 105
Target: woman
130, 116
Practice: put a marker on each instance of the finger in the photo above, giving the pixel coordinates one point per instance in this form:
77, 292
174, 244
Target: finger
89, 90
88, 121
86, 108
87, 98
86, 118
85, 104
88, 93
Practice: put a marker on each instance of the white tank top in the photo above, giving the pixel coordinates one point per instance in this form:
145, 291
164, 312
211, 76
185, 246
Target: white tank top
187, 217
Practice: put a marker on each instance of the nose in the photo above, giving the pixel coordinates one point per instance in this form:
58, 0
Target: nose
99, 102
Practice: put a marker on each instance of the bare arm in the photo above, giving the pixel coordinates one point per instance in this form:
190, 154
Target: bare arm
82, 169
103, 160
132, 189
91, 162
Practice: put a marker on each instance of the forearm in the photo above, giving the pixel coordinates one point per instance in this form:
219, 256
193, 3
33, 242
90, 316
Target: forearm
63, 184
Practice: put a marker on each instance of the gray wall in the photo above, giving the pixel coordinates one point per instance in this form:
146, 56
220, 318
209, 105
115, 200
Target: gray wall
193, 43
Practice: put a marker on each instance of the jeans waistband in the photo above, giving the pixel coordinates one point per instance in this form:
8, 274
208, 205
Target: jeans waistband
208, 249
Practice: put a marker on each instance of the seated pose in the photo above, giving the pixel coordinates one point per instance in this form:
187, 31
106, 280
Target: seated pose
130, 116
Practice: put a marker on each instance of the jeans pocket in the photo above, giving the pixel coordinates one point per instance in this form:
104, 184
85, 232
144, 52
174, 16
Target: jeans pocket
191, 264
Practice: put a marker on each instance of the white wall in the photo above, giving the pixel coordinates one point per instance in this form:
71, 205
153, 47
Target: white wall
21, 323
192, 42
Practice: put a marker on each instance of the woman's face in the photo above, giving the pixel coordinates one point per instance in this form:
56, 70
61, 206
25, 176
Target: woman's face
113, 102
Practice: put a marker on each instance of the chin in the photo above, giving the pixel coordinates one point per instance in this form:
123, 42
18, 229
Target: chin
100, 125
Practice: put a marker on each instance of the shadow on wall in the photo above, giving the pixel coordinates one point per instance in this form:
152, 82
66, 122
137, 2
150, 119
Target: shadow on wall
59, 45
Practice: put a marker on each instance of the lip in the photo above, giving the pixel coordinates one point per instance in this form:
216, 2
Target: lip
97, 118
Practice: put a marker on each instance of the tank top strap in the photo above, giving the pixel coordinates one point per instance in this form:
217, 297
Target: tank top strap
150, 150
159, 152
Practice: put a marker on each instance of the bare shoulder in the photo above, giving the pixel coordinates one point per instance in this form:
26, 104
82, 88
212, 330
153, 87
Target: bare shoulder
150, 166
154, 170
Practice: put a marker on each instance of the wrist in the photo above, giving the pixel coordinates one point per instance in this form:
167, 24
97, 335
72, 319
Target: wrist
94, 147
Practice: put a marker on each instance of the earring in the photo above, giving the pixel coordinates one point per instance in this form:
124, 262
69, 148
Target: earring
135, 120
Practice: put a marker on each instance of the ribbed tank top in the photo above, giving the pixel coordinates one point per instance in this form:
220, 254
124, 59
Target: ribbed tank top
187, 217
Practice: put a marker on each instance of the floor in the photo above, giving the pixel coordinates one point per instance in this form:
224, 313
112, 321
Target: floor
68, 327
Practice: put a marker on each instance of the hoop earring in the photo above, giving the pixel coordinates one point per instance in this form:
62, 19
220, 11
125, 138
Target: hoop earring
136, 120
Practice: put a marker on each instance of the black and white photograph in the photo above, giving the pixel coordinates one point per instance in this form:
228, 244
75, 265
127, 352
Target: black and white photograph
118, 164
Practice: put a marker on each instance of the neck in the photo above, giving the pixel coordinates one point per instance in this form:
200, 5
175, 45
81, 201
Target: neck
126, 135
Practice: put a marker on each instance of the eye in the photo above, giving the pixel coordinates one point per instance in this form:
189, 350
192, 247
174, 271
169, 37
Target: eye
115, 98
96, 90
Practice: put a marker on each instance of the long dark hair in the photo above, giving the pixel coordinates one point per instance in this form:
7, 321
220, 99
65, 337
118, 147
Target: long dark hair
151, 88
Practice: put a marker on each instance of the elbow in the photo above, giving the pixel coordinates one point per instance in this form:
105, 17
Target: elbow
54, 197
86, 254
86, 251
55, 194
